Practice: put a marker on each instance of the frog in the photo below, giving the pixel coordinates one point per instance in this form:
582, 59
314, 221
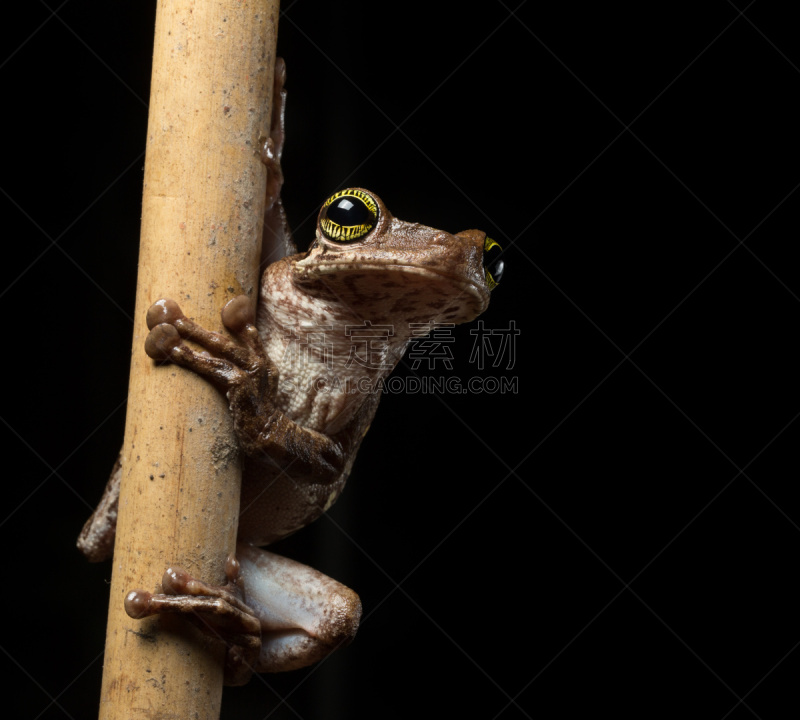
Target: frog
302, 376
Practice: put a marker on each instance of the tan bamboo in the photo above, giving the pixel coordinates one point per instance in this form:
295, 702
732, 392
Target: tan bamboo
203, 201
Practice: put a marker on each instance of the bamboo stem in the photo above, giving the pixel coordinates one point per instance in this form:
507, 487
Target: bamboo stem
203, 204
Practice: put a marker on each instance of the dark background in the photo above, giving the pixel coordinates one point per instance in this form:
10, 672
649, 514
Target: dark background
620, 535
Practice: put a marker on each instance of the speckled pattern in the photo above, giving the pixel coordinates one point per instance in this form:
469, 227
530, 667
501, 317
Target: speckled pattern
303, 613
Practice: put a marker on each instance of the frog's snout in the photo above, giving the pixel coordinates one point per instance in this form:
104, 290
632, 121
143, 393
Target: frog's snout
491, 254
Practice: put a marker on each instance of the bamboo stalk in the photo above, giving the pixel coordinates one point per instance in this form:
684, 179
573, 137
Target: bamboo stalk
203, 204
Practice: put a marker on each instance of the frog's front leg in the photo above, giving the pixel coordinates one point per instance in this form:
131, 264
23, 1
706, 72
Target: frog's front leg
277, 237
244, 372
274, 614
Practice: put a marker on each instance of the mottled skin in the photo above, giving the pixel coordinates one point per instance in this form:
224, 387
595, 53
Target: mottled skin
338, 314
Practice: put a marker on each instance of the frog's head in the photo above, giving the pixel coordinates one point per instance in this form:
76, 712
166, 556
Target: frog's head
365, 256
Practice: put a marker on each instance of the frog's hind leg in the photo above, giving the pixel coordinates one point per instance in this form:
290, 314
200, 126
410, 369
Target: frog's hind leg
96, 540
304, 614
274, 614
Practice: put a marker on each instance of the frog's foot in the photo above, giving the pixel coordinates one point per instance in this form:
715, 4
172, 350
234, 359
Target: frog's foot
231, 363
218, 610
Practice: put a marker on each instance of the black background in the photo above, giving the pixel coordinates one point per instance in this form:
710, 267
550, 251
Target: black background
620, 535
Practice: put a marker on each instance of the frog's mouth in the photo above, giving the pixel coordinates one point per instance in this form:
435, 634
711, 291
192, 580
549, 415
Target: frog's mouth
391, 289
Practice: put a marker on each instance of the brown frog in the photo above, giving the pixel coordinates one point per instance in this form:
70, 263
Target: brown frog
303, 380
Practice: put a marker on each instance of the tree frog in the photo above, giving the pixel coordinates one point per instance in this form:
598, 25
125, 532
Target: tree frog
303, 380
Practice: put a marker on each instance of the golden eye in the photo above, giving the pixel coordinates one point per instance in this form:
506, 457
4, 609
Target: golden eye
348, 215
492, 262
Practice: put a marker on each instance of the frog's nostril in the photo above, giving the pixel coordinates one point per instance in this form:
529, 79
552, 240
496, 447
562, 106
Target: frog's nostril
442, 238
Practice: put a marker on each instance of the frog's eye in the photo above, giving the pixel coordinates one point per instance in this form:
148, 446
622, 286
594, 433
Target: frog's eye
492, 262
348, 215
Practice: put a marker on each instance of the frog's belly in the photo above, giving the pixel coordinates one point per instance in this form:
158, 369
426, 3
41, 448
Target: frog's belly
274, 505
